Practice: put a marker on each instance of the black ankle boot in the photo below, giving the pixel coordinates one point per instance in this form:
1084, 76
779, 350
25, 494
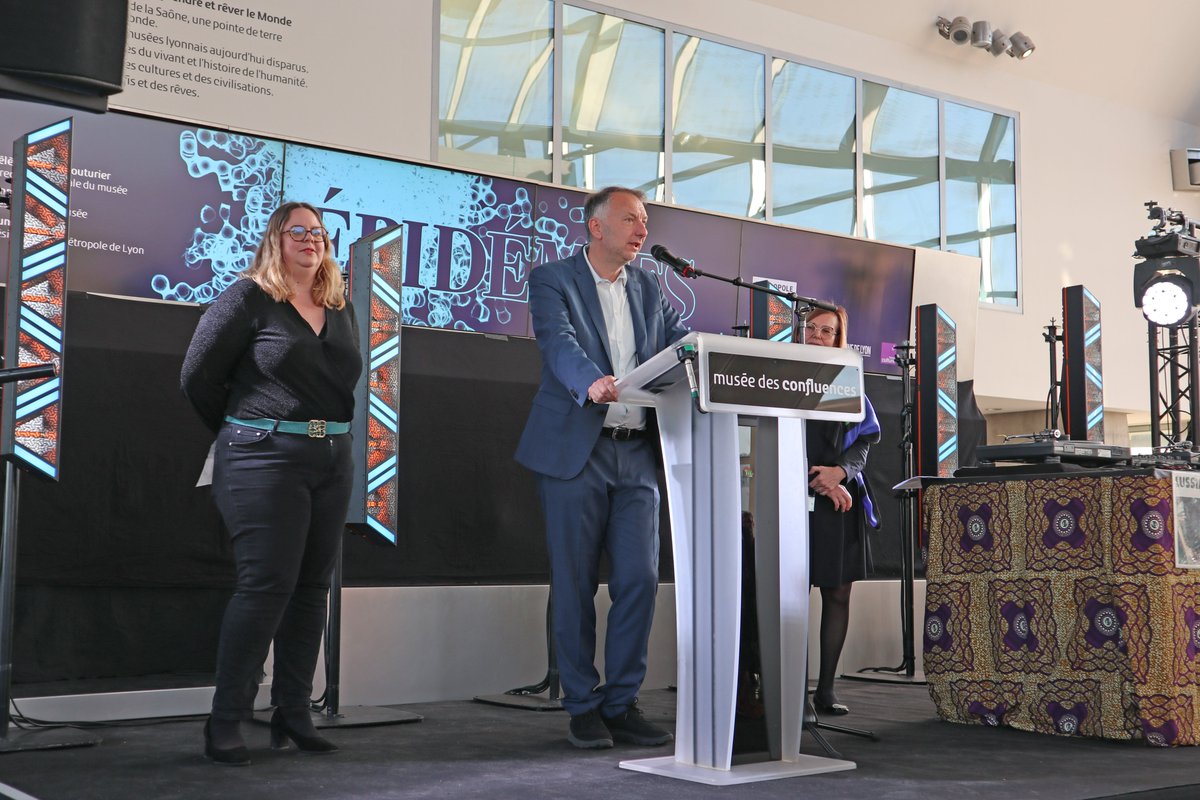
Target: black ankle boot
304, 734
235, 756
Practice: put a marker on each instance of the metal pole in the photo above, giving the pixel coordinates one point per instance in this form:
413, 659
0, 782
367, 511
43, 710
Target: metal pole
333, 639
1155, 399
1193, 404
1052, 338
12, 740
1176, 384
8, 585
333, 715
908, 528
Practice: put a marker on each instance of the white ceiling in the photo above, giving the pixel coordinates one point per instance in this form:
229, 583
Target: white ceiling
1142, 55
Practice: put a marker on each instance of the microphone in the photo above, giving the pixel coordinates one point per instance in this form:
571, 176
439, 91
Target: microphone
676, 263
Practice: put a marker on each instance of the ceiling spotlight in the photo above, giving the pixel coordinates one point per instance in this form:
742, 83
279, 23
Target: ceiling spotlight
999, 42
957, 30
960, 30
981, 34
1021, 45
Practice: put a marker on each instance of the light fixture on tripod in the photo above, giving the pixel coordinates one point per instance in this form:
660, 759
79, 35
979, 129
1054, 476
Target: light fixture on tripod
1166, 287
1166, 284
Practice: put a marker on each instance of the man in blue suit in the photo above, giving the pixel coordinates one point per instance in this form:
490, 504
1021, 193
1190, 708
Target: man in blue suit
595, 319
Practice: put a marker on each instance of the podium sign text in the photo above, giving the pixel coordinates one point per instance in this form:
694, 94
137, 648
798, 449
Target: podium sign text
752, 381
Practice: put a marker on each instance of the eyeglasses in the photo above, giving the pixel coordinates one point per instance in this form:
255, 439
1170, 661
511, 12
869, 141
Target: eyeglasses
824, 331
299, 232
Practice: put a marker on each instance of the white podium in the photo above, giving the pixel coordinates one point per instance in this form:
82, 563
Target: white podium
781, 385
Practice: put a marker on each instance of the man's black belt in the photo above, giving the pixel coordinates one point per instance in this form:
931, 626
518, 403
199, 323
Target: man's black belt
622, 434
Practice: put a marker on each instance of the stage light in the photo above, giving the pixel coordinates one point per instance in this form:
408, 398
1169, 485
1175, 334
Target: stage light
981, 34
999, 44
1020, 45
1166, 283
960, 30
957, 30
1166, 290
1167, 301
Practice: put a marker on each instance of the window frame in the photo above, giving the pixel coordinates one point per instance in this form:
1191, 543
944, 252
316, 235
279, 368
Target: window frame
769, 55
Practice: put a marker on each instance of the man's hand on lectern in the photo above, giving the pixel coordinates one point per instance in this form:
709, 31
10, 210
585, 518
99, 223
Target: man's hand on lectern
604, 390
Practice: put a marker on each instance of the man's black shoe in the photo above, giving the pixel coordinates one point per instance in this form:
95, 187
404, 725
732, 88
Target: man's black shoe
630, 726
589, 732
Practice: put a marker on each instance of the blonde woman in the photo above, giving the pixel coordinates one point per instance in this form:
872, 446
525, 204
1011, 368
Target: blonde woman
271, 370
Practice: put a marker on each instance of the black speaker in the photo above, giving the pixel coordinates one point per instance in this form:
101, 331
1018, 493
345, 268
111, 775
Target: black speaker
65, 52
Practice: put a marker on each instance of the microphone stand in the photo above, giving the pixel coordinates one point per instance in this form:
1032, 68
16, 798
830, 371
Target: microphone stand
1052, 338
907, 671
541, 696
796, 300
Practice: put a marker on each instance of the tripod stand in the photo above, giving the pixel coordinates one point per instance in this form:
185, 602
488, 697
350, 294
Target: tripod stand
541, 696
813, 726
13, 739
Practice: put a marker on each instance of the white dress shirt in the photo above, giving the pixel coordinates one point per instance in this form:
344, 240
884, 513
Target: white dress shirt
622, 347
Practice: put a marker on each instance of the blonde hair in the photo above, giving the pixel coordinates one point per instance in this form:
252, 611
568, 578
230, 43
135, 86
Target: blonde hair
269, 272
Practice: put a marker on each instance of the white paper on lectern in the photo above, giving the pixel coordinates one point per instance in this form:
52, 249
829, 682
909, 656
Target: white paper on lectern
631, 388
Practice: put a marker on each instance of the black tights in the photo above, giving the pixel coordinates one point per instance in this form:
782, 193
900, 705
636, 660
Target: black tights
835, 620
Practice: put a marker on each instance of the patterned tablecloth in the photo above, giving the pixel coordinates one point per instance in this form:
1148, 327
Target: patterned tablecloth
1054, 605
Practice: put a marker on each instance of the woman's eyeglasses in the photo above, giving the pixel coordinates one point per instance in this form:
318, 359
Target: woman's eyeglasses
299, 232
824, 331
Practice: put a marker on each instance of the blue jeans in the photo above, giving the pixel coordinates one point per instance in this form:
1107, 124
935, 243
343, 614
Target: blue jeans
283, 497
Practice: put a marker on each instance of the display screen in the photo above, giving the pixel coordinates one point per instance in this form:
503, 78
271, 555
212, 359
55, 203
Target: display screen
174, 212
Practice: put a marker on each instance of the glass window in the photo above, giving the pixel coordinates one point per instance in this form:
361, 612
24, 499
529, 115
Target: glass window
495, 89
812, 149
498, 114
612, 101
981, 196
719, 152
900, 166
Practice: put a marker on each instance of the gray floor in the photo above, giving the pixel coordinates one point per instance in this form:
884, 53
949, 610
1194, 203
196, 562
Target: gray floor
472, 750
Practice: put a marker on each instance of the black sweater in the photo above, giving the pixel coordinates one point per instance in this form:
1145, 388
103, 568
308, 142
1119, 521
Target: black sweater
252, 357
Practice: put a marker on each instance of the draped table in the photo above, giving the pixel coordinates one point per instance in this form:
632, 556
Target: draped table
1053, 604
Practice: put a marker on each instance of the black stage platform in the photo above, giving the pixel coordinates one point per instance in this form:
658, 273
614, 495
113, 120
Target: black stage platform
472, 750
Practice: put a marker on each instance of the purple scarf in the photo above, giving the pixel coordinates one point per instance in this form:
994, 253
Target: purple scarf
868, 427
